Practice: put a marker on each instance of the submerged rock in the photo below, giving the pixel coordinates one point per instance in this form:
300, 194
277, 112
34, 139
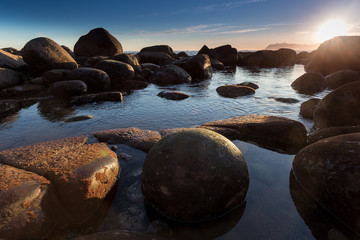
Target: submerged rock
79, 118
234, 91
173, 95
309, 83
182, 170
285, 100
96, 97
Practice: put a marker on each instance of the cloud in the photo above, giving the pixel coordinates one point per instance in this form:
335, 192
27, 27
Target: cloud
244, 30
227, 5
204, 28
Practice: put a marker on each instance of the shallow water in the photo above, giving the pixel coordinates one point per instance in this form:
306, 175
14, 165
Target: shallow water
275, 207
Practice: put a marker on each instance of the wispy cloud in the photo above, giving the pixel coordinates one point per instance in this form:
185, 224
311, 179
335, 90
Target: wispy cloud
227, 5
244, 30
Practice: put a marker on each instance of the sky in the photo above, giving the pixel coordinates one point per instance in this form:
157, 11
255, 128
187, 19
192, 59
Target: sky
183, 25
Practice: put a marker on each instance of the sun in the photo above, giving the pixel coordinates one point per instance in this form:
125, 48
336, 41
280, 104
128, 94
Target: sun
330, 29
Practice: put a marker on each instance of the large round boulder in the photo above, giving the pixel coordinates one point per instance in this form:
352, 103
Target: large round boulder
340, 107
199, 66
170, 74
43, 54
330, 171
95, 79
308, 107
338, 53
129, 59
342, 77
98, 42
309, 83
117, 71
182, 170
160, 48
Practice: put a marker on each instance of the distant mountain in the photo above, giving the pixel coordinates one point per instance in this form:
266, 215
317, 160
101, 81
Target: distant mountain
300, 47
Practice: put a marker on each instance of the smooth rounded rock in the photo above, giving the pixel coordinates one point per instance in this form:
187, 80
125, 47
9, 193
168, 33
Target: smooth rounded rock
9, 78
96, 97
308, 107
117, 71
129, 59
309, 83
342, 77
173, 95
8, 60
69, 88
199, 66
170, 74
158, 58
234, 91
182, 170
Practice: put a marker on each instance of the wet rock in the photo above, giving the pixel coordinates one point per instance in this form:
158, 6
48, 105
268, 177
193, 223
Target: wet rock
307, 108
339, 108
173, 95
331, 132
121, 235
43, 54
199, 66
133, 85
338, 53
170, 74
217, 64
96, 97
11, 61
329, 170
309, 83
157, 58
22, 90
134, 193
182, 170
249, 84
285, 100
134, 137
160, 48
82, 173
342, 77
129, 59
24, 199
98, 42
234, 91
274, 133
79, 118
9, 78
69, 88
117, 71
12, 105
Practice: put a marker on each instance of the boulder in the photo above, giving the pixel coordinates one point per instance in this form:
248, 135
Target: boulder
90, 61
173, 95
69, 51
150, 66
342, 77
249, 84
134, 137
309, 83
96, 97
308, 107
43, 54
82, 173
225, 54
182, 55
129, 59
160, 48
330, 171
158, 58
12, 51
303, 55
331, 132
216, 64
182, 170
9, 78
274, 133
286, 57
117, 71
98, 42
56, 75
11, 105
234, 91
338, 53
68, 88
95, 79
22, 90
133, 85
170, 74
79, 118
269, 58
340, 107
15, 62
199, 66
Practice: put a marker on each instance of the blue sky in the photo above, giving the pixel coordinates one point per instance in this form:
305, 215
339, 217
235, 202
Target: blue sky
184, 25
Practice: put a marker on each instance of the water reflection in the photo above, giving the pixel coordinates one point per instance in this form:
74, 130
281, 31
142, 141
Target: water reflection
55, 109
6, 121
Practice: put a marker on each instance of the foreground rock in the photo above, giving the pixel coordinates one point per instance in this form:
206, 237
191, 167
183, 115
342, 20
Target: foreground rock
173, 95
275, 133
340, 107
43, 54
170, 74
338, 53
329, 170
134, 137
98, 42
234, 91
9, 78
308, 107
172, 184
15, 62
96, 97
24, 203
199, 66
82, 173
331, 132
309, 83
342, 77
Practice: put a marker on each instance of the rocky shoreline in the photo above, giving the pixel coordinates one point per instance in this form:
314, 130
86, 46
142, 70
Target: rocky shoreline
64, 182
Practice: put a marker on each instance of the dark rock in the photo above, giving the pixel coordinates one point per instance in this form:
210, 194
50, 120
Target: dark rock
9, 78
160, 48
182, 55
309, 83
286, 57
199, 66
22, 90
90, 61
329, 170
96, 97
173, 95
79, 118
170, 74
340, 107
15, 62
82, 173
117, 71
182, 170
11, 105
338, 53
69, 88
331, 132
342, 77
12, 51
157, 58
217, 64
308, 107
274, 133
129, 59
234, 91
120, 235
95, 79
225, 54
303, 55
133, 85
151, 66
249, 84
43, 54
56, 75
269, 58
98, 42
69, 51
134, 137
285, 100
